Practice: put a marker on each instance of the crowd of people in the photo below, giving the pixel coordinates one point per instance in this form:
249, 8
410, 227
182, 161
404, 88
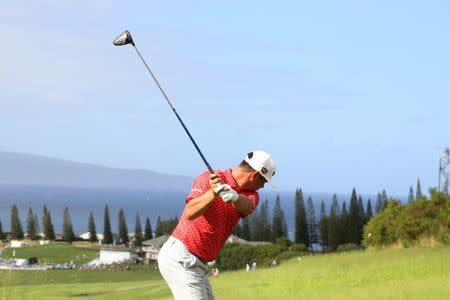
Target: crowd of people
106, 267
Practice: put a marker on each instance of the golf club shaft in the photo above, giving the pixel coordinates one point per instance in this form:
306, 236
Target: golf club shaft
176, 114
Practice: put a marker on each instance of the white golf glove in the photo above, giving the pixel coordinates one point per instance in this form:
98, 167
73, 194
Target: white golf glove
228, 194
220, 187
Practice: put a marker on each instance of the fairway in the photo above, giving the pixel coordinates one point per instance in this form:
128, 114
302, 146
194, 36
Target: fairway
413, 273
384, 274
54, 253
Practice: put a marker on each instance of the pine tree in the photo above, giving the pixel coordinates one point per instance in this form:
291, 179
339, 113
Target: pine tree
91, 228
361, 207
16, 227
31, 226
165, 227
266, 231
355, 221
237, 230
245, 233
123, 230
148, 234
344, 209
2, 234
159, 229
107, 234
138, 232
411, 195
418, 190
256, 229
369, 213
36, 223
384, 200
333, 225
68, 234
49, 231
254, 226
301, 226
344, 236
278, 221
379, 204
45, 221
323, 225
285, 227
311, 221
52, 234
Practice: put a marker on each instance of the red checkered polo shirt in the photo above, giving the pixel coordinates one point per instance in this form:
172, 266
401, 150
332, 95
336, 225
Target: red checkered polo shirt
205, 235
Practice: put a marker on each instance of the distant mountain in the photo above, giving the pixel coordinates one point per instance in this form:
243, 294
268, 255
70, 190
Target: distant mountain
27, 169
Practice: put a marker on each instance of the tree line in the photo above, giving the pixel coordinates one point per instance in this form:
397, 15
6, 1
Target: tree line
343, 224
33, 230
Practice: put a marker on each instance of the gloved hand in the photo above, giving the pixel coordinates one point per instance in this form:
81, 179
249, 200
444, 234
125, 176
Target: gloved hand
228, 194
220, 187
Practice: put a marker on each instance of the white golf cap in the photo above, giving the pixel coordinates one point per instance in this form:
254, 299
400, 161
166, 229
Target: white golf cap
263, 163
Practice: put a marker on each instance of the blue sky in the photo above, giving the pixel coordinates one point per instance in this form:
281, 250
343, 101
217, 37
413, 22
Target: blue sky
343, 93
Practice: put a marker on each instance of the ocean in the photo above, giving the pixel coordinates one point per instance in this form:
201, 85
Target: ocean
146, 203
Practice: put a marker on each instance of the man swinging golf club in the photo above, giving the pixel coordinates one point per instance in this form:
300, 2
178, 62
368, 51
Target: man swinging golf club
216, 203
214, 206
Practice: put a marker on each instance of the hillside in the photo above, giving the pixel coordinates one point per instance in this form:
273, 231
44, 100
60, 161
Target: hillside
27, 169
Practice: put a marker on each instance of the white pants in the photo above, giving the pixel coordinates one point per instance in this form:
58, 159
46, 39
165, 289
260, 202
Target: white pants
185, 274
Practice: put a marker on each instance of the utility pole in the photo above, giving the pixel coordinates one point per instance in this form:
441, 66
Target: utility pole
444, 171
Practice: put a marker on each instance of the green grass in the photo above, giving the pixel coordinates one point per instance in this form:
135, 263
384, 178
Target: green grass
413, 273
54, 253
144, 282
20, 277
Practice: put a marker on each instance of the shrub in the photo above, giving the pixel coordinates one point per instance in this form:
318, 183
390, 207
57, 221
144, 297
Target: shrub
234, 256
409, 224
283, 242
299, 248
285, 255
348, 247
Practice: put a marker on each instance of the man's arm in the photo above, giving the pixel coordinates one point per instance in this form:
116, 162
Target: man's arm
243, 205
196, 207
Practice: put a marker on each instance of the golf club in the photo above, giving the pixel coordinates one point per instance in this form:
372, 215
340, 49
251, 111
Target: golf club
124, 39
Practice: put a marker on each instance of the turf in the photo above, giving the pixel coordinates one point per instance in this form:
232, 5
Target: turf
54, 253
413, 273
384, 274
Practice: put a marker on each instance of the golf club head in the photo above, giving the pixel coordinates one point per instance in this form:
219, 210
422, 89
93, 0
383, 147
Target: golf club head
123, 39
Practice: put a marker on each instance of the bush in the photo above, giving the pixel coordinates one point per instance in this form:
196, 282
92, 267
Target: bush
234, 256
382, 228
348, 247
299, 248
283, 242
407, 225
285, 255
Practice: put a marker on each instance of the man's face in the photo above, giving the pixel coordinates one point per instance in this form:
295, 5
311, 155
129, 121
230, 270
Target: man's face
259, 181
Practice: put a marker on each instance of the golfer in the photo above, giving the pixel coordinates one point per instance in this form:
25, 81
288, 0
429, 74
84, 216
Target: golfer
214, 206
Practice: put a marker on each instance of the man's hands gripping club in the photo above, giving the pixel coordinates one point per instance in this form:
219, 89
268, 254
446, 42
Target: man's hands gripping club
196, 207
223, 190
